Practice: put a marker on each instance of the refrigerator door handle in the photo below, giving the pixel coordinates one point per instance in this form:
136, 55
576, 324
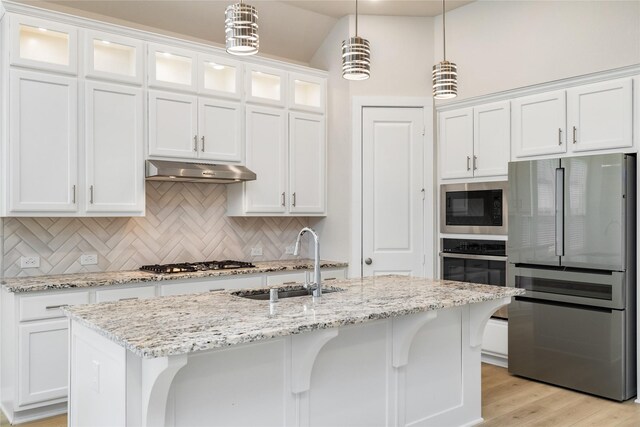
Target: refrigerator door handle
559, 211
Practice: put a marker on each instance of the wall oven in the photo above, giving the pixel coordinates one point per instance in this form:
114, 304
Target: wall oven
474, 208
475, 261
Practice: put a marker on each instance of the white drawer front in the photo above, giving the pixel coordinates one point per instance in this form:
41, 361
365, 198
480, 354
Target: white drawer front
48, 306
127, 293
287, 279
329, 275
210, 285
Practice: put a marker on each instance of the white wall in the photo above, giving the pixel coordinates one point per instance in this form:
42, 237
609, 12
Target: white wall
402, 57
536, 41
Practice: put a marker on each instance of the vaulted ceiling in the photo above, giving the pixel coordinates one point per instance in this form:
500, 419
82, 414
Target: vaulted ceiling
288, 29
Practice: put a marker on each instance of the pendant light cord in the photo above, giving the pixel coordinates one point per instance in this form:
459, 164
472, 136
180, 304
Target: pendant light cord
357, 18
444, 35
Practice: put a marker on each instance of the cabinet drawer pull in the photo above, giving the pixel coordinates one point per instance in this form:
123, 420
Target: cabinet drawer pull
468, 160
559, 136
216, 289
289, 283
73, 192
91, 194
127, 299
282, 198
329, 278
202, 140
475, 163
575, 139
195, 143
54, 307
294, 200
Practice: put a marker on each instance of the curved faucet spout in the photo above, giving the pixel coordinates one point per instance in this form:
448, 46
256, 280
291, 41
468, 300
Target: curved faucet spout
317, 282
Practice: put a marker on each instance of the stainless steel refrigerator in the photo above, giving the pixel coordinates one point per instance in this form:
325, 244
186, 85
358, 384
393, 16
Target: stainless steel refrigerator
572, 240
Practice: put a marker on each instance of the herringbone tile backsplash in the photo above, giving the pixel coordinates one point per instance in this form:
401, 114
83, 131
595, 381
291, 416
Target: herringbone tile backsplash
183, 222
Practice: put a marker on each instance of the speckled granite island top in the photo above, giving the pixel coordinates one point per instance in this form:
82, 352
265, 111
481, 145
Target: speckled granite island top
182, 324
87, 280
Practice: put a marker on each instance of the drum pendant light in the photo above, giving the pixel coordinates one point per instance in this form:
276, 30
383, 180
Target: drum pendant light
356, 56
445, 73
241, 29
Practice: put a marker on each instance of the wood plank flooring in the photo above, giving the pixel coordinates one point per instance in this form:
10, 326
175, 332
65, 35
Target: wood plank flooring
512, 401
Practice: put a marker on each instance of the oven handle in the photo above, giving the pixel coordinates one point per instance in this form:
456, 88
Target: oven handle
473, 256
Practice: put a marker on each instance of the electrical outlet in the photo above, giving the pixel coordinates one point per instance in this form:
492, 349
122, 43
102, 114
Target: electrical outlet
289, 250
29, 262
88, 259
256, 251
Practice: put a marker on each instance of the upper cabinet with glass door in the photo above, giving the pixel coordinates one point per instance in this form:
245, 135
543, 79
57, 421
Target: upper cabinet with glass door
112, 57
41, 44
265, 85
307, 93
219, 76
172, 68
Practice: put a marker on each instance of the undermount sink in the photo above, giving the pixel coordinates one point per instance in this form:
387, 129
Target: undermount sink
289, 292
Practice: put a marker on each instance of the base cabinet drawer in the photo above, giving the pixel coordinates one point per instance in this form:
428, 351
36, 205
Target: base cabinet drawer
329, 275
48, 306
125, 294
42, 361
287, 279
210, 285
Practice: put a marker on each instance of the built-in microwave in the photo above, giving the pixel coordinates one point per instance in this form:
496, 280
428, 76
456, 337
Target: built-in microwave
474, 208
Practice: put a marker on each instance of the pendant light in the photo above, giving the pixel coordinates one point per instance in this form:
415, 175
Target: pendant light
445, 73
241, 29
356, 56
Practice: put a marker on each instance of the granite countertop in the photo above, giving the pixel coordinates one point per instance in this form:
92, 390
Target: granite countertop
87, 280
183, 324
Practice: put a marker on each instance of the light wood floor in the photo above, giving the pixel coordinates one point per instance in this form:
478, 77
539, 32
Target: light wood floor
512, 401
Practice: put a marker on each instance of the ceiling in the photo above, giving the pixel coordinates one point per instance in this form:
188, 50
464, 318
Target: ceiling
288, 29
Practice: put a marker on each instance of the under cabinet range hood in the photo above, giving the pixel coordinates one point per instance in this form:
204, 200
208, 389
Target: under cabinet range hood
162, 170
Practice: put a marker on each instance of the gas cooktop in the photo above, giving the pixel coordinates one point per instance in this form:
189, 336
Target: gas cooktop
187, 267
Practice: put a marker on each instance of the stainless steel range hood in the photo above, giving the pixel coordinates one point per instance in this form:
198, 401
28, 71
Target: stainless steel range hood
162, 170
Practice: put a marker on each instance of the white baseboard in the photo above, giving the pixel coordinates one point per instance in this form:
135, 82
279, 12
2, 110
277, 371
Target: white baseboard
493, 359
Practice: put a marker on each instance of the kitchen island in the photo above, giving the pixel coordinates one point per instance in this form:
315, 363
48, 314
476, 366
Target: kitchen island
386, 350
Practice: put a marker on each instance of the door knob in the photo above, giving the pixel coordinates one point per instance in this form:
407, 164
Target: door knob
368, 261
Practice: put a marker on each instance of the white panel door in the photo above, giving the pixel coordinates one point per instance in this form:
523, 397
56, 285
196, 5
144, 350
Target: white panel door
220, 130
539, 124
267, 157
307, 151
43, 143
42, 361
393, 196
600, 115
455, 142
114, 149
173, 125
491, 139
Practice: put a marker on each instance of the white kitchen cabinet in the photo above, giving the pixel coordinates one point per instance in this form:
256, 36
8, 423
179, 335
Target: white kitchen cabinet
173, 125
265, 85
475, 142
220, 126
188, 127
113, 57
456, 143
42, 361
539, 124
220, 77
307, 93
114, 176
600, 115
266, 145
172, 68
43, 143
41, 44
307, 164
491, 139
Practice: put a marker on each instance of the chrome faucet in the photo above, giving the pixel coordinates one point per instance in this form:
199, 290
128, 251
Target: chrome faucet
316, 285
